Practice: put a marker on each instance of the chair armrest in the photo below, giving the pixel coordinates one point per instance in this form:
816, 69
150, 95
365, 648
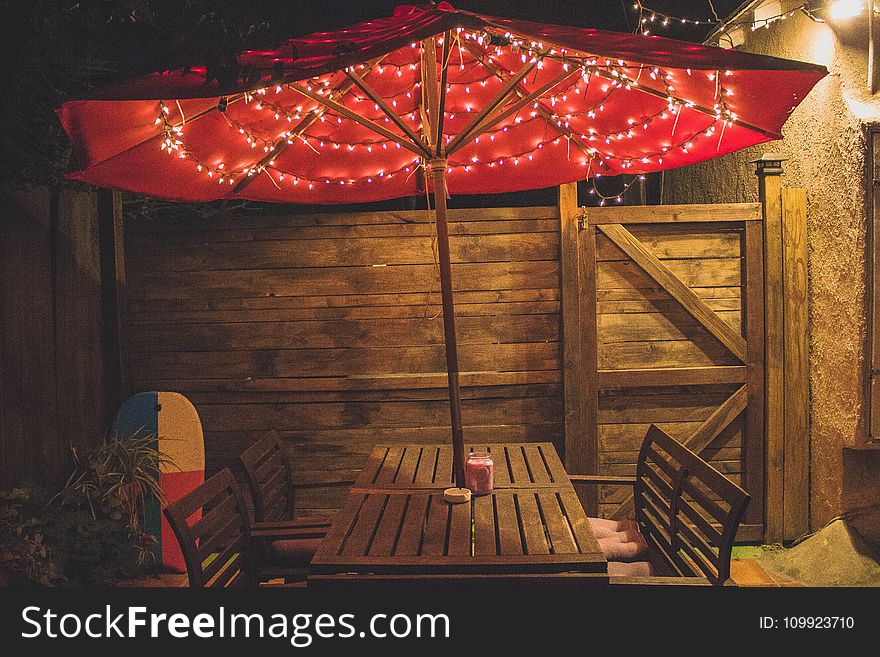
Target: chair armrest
260, 533
290, 525
602, 479
659, 580
321, 484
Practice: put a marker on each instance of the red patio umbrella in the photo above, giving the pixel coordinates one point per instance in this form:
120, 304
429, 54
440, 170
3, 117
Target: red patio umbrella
481, 104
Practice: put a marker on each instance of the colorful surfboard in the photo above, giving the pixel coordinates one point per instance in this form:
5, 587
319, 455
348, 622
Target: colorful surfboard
175, 424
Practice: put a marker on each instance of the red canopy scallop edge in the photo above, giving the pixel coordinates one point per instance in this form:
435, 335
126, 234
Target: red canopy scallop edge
341, 117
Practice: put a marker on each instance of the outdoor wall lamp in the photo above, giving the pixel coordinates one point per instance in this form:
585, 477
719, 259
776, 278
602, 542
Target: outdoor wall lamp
843, 12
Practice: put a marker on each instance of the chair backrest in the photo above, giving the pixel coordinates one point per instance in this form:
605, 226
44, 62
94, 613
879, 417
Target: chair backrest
269, 478
215, 545
687, 510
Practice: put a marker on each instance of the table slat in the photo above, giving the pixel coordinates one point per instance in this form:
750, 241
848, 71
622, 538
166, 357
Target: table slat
519, 473
428, 463
580, 526
500, 469
389, 468
371, 467
365, 526
342, 523
389, 525
531, 525
434, 538
507, 524
484, 525
554, 464
540, 474
407, 472
413, 526
459, 531
561, 538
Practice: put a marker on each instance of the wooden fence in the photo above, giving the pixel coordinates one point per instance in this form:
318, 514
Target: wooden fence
574, 329
327, 328
55, 284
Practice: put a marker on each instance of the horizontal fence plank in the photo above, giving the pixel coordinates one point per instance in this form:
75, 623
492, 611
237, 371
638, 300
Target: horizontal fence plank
340, 362
340, 280
610, 379
717, 212
299, 254
387, 332
226, 221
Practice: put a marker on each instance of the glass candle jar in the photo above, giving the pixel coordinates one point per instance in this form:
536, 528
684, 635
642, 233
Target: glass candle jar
479, 473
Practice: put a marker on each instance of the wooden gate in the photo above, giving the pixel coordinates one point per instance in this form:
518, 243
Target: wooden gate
671, 309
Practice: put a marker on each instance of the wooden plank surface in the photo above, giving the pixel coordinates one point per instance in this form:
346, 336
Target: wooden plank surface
327, 328
723, 212
656, 363
533, 527
570, 290
669, 281
515, 531
770, 188
585, 460
796, 479
429, 466
753, 467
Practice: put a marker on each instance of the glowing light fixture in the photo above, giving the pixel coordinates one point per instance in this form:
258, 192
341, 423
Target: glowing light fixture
844, 9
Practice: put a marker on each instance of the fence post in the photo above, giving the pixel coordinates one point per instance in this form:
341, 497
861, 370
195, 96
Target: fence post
577, 447
796, 480
769, 171
113, 298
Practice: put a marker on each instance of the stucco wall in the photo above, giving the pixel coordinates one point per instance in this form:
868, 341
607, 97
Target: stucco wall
825, 146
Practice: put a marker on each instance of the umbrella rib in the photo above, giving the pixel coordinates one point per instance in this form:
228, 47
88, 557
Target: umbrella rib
428, 71
490, 107
516, 107
444, 63
657, 94
416, 147
376, 98
301, 127
703, 110
542, 111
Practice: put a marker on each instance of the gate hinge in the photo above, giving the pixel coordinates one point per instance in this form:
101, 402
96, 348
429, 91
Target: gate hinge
582, 219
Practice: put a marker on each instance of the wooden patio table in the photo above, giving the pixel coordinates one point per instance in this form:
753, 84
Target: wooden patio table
395, 521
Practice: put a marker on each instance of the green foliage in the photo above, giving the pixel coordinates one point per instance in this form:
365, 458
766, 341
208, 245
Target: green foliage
90, 532
23, 550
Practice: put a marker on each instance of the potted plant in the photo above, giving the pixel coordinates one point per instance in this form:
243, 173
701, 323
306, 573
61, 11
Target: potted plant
91, 531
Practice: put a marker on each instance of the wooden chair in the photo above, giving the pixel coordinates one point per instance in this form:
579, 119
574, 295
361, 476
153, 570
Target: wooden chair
686, 511
221, 547
269, 477
284, 540
216, 545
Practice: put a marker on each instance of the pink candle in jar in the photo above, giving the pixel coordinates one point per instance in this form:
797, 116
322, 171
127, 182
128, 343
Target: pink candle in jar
478, 473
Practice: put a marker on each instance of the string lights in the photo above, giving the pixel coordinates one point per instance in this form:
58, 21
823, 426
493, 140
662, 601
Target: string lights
278, 117
649, 19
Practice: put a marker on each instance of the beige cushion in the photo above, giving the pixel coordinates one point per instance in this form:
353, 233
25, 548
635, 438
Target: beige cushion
619, 547
603, 527
630, 569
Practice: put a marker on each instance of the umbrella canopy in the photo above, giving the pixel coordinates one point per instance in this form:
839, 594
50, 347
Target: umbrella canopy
486, 105
330, 118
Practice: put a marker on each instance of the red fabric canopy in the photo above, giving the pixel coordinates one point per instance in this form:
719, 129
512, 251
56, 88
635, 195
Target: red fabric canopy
622, 103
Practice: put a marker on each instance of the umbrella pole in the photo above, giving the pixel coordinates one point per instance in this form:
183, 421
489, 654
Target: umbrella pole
438, 171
